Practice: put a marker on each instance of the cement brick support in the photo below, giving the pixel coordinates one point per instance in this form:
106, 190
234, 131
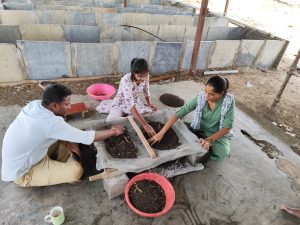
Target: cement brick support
136, 34
78, 18
50, 16
166, 57
225, 33
115, 186
81, 34
110, 19
160, 19
9, 34
181, 20
18, 6
110, 34
42, 32
10, 69
171, 33
93, 59
248, 52
46, 60
224, 54
205, 52
127, 50
17, 17
135, 18
269, 53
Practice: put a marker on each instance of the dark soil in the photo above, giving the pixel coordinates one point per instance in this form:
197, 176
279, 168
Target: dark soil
147, 196
88, 159
171, 100
169, 141
121, 146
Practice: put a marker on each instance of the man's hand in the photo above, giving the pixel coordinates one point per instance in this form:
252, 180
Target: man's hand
73, 148
150, 131
118, 129
156, 138
204, 143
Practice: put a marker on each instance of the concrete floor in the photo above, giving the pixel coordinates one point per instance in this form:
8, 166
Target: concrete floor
246, 188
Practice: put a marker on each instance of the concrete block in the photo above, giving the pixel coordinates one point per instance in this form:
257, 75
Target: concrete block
155, 2
82, 34
10, 69
46, 60
128, 50
51, 16
93, 59
171, 33
110, 19
269, 53
248, 52
18, 17
190, 33
78, 18
49, 7
181, 20
125, 10
225, 33
9, 34
110, 34
42, 32
159, 19
18, 6
166, 57
212, 21
224, 54
139, 2
135, 18
205, 51
136, 34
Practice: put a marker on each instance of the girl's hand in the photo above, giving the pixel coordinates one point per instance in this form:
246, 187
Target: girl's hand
150, 131
153, 107
204, 143
156, 138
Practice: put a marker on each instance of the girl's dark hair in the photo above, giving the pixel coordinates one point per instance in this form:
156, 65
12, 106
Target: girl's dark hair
139, 65
55, 93
219, 84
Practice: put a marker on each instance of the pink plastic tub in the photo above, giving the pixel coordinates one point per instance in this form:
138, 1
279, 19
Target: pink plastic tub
163, 182
100, 91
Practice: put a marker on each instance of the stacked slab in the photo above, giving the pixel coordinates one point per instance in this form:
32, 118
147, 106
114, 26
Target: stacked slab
81, 38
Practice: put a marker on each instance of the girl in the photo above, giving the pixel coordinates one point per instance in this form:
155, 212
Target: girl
127, 100
213, 118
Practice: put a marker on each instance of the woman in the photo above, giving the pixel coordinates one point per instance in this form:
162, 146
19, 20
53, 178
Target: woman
127, 100
213, 119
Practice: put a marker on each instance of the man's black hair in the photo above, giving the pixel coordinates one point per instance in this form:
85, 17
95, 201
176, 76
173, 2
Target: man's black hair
55, 93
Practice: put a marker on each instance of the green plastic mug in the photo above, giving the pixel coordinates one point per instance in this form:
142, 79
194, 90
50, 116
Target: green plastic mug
56, 216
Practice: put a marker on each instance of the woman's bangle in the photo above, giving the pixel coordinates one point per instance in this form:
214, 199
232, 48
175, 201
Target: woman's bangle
115, 130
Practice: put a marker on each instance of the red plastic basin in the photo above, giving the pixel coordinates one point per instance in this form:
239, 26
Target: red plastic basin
163, 182
101, 91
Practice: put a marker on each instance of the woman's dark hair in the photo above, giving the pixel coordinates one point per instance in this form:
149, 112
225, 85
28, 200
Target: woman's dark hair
55, 93
219, 84
139, 66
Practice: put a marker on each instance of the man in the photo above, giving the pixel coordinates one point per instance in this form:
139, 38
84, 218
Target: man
38, 146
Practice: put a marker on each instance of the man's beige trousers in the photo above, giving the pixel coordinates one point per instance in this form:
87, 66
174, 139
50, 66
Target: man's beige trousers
50, 172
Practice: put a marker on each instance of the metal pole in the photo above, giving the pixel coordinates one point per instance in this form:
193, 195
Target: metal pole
203, 13
125, 3
290, 73
226, 7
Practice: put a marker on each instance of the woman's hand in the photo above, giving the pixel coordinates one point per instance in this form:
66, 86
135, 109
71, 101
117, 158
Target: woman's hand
150, 131
205, 143
156, 138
